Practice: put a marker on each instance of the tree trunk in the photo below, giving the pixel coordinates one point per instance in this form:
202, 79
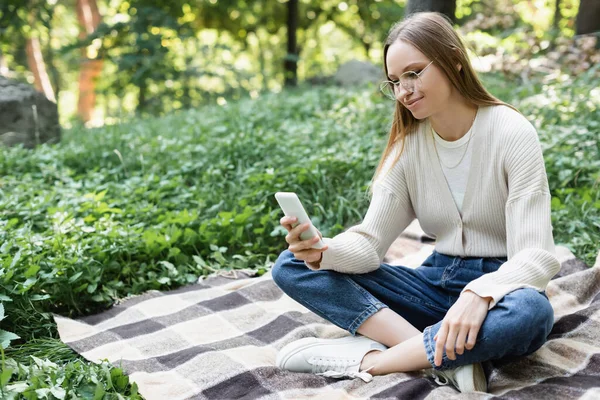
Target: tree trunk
447, 7
3, 65
557, 16
89, 19
142, 97
48, 53
261, 61
555, 26
35, 59
292, 53
588, 17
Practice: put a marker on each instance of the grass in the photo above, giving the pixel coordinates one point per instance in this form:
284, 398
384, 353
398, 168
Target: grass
155, 203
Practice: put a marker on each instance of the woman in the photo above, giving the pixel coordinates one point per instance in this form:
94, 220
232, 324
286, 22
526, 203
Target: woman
470, 168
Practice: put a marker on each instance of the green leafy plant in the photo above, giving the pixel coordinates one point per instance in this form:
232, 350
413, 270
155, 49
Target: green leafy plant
43, 379
5, 336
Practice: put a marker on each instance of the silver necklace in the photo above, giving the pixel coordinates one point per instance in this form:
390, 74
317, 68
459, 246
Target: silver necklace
466, 147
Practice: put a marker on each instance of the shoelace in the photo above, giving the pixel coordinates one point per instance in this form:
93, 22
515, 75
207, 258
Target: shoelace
365, 376
439, 377
336, 368
440, 380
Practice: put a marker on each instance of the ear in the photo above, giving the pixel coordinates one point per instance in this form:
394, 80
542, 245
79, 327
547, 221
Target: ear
459, 66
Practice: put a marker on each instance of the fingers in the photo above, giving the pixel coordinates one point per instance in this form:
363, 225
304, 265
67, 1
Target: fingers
454, 338
287, 222
439, 344
293, 235
461, 339
451, 340
304, 245
472, 337
460, 327
302, 249
307, 254
312, 255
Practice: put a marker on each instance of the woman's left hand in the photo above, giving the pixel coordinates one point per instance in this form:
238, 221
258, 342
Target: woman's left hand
460, 326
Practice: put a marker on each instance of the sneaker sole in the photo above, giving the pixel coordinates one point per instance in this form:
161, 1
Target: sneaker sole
293, 348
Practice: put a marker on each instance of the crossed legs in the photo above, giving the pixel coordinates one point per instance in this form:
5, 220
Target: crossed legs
406, 349
367, 304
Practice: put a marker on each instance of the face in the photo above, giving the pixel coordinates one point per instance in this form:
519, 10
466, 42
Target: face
433, 90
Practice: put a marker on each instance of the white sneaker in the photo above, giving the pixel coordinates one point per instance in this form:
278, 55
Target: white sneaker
334, 358
466, 378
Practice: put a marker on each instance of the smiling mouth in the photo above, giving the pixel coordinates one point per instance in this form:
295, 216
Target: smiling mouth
413, 102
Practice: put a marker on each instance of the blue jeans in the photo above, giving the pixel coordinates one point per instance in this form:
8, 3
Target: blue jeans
517, 325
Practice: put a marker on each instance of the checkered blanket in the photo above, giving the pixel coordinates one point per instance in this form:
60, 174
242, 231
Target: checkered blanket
218, 339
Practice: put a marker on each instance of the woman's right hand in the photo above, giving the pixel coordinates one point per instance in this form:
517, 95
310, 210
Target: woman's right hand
302, 248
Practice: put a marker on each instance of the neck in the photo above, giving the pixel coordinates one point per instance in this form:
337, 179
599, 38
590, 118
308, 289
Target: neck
454, 121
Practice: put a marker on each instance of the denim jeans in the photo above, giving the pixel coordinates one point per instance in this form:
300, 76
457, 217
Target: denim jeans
517, 325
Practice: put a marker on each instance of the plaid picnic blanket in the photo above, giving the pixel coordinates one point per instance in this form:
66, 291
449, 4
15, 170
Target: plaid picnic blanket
218, 339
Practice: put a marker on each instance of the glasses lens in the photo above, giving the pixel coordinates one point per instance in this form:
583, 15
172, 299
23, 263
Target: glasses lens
409, 80
387, 88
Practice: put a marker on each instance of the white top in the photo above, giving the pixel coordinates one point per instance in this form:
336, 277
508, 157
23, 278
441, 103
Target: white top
505, 210
450, 153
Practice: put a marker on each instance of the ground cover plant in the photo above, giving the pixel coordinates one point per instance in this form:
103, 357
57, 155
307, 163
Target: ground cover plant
157, 202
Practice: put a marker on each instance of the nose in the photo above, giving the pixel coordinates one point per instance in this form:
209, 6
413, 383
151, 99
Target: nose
401, 93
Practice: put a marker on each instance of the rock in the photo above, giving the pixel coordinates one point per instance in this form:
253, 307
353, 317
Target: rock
356, 72
26, 115
320, 80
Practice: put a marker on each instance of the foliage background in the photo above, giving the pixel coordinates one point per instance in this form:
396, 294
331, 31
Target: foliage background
196, 133
181, 54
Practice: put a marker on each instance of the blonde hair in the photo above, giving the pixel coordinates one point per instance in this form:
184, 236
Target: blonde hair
433, 35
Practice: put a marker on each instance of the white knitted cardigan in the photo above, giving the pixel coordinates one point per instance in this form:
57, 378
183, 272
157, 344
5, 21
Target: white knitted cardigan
505, 212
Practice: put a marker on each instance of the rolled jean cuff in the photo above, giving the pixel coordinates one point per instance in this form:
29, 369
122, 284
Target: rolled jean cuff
369, 311
428, 335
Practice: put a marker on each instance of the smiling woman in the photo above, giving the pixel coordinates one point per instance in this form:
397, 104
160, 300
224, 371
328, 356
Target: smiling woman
449, 90
408, 81
470, 168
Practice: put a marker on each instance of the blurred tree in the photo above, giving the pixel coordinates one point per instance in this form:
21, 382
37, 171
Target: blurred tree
258, 20
291, 58
137, 47
157, 48
557, 16
37, 66
90, 66
588, 17
447, 7
24, 25
367, 22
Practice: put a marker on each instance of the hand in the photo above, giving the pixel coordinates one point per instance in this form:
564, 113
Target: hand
302, 248
460, 326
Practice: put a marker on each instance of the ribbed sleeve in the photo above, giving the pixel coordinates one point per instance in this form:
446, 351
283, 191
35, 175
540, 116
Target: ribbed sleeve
361, 248
530, 246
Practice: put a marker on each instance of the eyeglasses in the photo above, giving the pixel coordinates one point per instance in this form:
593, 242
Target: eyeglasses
408, 80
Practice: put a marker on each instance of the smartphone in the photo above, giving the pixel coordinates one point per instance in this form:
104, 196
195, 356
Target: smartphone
292, 207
